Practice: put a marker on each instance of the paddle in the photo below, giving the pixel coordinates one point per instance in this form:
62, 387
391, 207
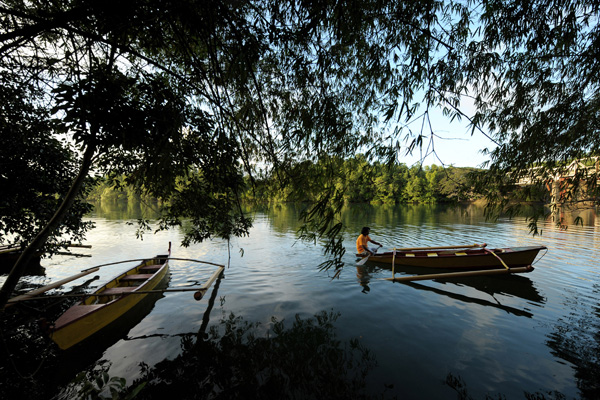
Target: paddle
364, 260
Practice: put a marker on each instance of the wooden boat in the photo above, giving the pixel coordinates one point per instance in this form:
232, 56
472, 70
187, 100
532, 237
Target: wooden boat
110, 303
460, 257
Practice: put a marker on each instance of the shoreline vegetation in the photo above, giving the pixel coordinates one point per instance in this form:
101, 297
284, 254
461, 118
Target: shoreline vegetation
360, 182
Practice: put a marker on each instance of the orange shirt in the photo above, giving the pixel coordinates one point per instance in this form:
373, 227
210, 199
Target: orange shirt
362, 242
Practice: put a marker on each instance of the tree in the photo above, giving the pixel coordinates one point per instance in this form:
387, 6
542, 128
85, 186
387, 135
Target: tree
201, 90
415, 189
41, 164
432, 183
535, 77
125, 113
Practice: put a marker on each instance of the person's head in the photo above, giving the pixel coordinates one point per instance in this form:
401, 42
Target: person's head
365, 231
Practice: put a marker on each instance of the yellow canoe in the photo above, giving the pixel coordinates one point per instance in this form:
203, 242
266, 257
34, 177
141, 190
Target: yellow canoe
111, 302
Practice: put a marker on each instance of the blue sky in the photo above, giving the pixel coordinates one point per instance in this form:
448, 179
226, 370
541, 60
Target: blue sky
453, 142
453, 145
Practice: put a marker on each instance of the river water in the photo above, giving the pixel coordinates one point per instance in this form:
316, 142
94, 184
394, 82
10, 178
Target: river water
508, 335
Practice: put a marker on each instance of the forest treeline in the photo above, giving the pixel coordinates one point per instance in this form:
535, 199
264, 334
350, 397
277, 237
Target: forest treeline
359, 181
364, 182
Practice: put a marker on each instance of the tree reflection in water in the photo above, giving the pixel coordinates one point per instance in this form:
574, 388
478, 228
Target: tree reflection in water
459, 385
577, 340
303, 361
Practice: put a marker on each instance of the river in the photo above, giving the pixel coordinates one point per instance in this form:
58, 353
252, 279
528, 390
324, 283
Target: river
507, 335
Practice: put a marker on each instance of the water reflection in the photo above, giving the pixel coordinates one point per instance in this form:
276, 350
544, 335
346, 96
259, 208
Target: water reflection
126, 210
284, 217
467, 299
419, 332
31, 366
363, 273
519, 286
576, 339
305, 360
572, 215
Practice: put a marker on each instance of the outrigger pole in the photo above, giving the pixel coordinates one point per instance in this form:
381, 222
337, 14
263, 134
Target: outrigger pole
462, 274
33, 293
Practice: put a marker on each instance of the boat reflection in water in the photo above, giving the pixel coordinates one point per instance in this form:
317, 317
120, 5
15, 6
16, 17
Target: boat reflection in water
517, 286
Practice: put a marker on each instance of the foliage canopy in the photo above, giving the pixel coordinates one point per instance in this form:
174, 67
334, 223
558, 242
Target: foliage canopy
208, 91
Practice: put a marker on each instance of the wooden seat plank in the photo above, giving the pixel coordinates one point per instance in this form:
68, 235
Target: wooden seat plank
117, 290
150, 268
136, 277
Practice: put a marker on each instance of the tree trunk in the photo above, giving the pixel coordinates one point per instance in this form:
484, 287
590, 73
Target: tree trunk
38, 242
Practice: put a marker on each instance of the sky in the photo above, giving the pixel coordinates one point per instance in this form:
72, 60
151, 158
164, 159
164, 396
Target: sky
453, 144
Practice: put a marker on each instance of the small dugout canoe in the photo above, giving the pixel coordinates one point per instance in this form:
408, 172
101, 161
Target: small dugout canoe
111, 302
460, 258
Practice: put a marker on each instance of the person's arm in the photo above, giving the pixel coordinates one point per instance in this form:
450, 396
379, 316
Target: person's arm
374, 242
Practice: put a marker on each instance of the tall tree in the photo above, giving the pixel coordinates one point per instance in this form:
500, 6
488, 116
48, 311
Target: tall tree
535, 75
123, 111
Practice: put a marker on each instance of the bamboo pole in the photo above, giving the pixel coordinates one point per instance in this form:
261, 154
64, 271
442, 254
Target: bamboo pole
200, 293
198, 261
56, 284
462, 274
14, 248
75, 295
202, 289
10, 250
150, 258
66, 253
468, 246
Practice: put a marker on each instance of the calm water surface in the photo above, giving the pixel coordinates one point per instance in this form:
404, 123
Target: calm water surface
536, 332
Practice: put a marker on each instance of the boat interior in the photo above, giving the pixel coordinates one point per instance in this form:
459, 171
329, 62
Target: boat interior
127, 282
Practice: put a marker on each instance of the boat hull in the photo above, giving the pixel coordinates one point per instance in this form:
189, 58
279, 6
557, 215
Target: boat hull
110, 304
462, 259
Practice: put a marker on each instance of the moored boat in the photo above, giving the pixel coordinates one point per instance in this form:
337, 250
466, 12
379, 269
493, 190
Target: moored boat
111, 302
460, 257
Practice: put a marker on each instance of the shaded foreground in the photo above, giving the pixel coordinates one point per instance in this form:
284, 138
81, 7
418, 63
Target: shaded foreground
304, 361
235, 359
230, 361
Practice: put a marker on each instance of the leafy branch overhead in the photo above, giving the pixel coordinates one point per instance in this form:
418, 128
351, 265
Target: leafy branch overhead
190, 99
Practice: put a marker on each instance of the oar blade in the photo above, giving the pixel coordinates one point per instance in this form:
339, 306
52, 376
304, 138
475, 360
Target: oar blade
363, 261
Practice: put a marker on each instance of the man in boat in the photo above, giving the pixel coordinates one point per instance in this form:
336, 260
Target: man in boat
362, 242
